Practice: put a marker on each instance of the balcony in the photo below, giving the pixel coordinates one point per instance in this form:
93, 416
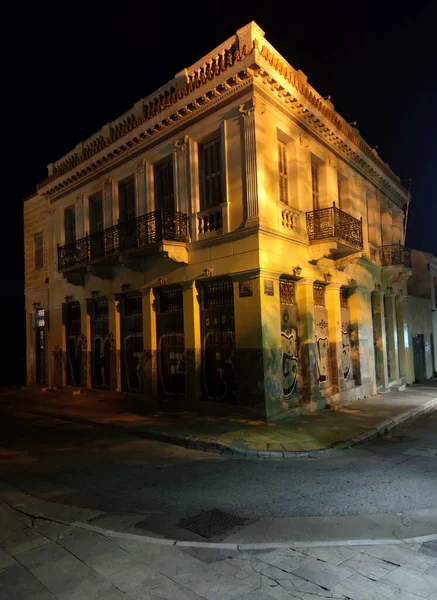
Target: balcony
395, 255
161, 230
334, 225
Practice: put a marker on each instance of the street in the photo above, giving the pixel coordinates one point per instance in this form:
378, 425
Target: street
385, 489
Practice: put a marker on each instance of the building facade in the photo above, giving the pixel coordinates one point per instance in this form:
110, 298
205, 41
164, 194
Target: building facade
230, 238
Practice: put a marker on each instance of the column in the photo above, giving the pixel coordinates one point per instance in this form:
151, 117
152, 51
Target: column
193, 344
150, 342
250, 177
392, 336
56, 346
140, 188
403, 333
181, 165
305, 303
85, 325
363, 355
332, 299
114, 342
378, 311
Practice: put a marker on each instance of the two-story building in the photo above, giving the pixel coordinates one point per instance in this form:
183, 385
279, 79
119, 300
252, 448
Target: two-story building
230, 238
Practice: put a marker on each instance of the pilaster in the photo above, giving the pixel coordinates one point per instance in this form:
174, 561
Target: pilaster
332, 299
363, 357
305, 303
114, 342
140, 187
181, 165
193, 344
85, 325
403, 333
110, 207
378, 312
392, 336
150, 342
250, 171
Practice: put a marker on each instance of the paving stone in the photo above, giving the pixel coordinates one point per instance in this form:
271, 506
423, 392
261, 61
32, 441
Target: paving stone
358, 587
286, 561
369, 566
260, 595
50, 530
170, 591
92, 587
411, 581
6, 560
218, 588
401, 556
24, 541
137, 580
298, 587
63, 576
39, 557
335, 555
429, 548
322, 573
16, 583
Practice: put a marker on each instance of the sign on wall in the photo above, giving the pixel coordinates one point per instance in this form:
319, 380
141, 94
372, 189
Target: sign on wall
245, 289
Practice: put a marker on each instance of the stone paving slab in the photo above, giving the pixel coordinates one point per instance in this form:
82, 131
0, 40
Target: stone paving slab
310, 434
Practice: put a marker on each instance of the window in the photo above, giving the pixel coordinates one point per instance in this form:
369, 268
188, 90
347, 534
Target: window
210, 163
315, 184
319, 294
70, 225
164, 186
96, 213
39, 250
339, 193
126, 200
283, 172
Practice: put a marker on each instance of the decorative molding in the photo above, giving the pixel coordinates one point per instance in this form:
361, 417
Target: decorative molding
51, 210
140, 167
304, 140
162, 280
247, 111
332, 161
107, 183
181, 145
80, 199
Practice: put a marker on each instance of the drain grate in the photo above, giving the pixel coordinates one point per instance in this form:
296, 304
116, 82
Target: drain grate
211, 522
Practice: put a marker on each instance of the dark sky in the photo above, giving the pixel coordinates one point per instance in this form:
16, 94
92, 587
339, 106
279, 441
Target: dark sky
69, 68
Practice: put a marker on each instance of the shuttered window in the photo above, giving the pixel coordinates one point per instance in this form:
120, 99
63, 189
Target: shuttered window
283, 172
39, 250
210, 174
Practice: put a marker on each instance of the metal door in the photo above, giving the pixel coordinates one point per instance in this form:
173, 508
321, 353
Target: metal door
74, 343
132, 351
419, 357
171, 343
100, 344
40, 345
218, 341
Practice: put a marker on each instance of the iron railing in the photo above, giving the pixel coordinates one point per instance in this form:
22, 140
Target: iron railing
333, 222
395, 254
150, 229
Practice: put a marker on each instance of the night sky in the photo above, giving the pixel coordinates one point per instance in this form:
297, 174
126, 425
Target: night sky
69, 68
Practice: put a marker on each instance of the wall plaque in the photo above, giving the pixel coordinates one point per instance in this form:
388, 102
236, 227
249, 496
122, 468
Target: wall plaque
269, 290
245, 289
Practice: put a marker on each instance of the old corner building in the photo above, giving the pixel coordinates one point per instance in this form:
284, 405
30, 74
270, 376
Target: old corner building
230, 238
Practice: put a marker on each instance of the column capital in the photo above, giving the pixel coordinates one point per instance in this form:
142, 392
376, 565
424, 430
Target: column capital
181, 145
334, 286
306, 281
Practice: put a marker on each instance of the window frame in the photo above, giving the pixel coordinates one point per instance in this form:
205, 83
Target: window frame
70, 209
315, 190
282, 148
163, 201
214, 196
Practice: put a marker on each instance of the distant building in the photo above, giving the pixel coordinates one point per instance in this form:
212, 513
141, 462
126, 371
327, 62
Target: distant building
230, 238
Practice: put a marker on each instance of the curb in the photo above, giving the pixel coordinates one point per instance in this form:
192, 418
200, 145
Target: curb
211, 445
221, 545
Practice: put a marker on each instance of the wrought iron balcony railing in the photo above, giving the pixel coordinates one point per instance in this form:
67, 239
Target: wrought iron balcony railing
333, 222
147, 230
395, 254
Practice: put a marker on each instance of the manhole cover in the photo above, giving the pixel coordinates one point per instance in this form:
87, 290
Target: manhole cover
211, 522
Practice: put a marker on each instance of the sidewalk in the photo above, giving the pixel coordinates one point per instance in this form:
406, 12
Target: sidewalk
47, 554
313, 434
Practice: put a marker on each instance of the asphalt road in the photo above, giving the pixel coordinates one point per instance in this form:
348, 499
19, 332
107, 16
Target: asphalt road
97, 468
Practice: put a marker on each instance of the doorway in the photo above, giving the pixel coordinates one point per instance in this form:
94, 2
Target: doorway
100, 344
419, 357
171, 341
40, 346
73, 342
132, 352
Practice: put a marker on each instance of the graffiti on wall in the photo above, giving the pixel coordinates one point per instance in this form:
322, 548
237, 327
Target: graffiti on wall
133, 354
171, 365
74, 360
322, 347
290, 351
346, 356
218, 358
101, 360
